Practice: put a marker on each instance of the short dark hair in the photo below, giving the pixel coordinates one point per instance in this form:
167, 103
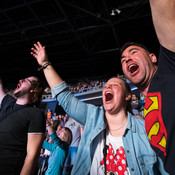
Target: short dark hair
128, 44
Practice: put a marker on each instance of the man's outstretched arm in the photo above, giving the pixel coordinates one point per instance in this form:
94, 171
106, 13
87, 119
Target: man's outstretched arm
163, 14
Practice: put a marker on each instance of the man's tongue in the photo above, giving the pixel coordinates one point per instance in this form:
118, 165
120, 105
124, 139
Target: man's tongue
109, 96
133, 68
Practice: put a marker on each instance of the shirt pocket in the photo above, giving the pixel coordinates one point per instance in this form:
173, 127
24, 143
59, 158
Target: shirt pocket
148, 160
147, 163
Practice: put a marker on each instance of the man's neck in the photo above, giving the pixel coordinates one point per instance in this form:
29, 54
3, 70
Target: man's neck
144, 92
22, 101
144, 88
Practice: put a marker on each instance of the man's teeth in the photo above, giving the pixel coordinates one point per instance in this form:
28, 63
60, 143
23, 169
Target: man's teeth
131, 66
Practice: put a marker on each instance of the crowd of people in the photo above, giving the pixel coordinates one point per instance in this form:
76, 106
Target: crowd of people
114, 140
80, 86
48, 164
138, 102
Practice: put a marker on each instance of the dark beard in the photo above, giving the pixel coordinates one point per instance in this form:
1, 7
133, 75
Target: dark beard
18, 94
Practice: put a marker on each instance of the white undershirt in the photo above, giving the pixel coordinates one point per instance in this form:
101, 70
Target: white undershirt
116, 142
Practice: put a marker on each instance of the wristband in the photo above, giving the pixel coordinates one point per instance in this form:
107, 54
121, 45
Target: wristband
44, 66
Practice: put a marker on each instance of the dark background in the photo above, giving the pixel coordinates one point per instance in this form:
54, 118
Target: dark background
82, 39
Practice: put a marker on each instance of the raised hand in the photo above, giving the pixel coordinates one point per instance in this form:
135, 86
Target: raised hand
39, 52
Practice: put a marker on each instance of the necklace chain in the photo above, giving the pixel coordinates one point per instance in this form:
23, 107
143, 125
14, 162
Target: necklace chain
119, 127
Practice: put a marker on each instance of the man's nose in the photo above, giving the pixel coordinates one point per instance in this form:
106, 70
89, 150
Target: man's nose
127, 59
22, 80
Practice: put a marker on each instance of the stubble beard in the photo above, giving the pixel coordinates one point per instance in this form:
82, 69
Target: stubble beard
19, 93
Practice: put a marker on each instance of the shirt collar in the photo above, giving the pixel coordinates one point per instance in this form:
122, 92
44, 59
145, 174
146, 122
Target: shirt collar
131, 125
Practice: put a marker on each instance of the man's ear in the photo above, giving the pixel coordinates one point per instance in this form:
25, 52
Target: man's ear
32, 90
153, 58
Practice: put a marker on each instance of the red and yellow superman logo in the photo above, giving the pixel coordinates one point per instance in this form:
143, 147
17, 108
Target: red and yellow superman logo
154, 125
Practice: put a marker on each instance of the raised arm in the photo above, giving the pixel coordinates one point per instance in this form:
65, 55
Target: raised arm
163, 14
52, 77
2, 92
66, 99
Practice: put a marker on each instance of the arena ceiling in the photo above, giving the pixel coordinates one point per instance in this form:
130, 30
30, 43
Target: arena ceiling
82, 38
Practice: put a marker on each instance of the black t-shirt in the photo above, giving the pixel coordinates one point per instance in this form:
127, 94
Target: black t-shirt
160, 110
16, 121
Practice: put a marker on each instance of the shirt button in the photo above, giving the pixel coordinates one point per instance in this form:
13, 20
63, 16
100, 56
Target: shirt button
132, 169
127, 151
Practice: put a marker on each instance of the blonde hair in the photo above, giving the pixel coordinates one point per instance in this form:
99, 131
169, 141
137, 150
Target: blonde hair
68, 135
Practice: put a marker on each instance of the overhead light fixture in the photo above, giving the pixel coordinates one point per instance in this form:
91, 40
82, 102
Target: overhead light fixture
118, 11
114, 11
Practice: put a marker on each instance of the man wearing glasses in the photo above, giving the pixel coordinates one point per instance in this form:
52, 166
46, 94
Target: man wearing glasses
22, 127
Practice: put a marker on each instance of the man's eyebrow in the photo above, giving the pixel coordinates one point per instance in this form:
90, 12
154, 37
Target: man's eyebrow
29, 81
122, 57
135, 48
130, 50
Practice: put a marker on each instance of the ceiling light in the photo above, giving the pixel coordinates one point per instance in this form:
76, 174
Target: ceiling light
118, 11
115, 11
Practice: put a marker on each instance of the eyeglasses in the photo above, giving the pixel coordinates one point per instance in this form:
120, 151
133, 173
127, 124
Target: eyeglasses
32, 83
27, 80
